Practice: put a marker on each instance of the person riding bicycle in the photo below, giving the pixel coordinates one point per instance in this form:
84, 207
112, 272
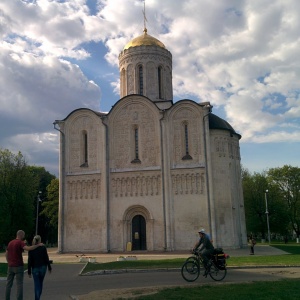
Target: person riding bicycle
206, 249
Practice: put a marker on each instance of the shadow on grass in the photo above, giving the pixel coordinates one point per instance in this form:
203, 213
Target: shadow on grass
285, 289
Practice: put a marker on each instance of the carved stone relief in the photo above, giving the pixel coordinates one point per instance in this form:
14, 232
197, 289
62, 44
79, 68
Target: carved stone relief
123, 83
168, 84
80, 125
80, 189
133, 116
151, 59
223, 145
188, 183
151, 85
136, 186
181, 117
130, 79
146, 57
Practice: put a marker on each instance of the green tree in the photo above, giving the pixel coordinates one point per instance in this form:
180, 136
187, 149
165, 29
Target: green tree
255, 187
50, 208
287, 180
17, 189
43, 179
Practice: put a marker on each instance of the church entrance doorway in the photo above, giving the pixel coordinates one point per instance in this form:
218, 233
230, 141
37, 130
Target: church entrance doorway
139, 233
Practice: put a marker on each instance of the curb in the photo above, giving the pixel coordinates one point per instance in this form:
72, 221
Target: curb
121, 271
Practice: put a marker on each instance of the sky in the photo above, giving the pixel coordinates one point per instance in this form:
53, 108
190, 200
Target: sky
240, 55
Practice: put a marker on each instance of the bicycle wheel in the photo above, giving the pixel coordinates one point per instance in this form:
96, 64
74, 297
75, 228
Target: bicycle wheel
190, 271
193, 259
216, 274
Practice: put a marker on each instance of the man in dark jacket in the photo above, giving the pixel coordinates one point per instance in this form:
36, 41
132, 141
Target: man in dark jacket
206, 249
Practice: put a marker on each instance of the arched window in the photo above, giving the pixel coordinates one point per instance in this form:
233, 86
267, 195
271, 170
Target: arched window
159, 77
140, 80
186, 142
84, 149
136, 145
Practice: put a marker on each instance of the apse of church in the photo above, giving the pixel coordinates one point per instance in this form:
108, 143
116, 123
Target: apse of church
150, 173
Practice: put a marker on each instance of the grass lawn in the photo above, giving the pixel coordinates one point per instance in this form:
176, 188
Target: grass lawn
290, 248
282, 290
278, 260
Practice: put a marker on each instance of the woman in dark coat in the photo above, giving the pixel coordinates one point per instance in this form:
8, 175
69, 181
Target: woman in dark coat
38, 262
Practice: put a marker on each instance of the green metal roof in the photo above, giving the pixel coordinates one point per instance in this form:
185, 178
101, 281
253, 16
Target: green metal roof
216, 122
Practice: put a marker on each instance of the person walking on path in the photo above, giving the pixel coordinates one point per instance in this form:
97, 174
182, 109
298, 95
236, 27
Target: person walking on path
38, 262
15, 262
252, 244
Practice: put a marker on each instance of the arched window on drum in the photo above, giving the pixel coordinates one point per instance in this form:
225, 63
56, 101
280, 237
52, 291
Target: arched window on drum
140, 80
160, 82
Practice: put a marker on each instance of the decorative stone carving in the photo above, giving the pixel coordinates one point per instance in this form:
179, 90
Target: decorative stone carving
188, 183
83, 124
168, 82
151, 81
136, 186
129, 117
83, 189
185, 116
130, 79
161, 133
151, 58
221, 146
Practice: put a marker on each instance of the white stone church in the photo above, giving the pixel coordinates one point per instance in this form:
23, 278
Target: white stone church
150, 173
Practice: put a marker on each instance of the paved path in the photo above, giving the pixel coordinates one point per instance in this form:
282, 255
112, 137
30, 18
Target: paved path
260, 250
64, 280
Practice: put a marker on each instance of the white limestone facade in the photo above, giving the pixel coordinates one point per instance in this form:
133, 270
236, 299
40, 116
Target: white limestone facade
150, 172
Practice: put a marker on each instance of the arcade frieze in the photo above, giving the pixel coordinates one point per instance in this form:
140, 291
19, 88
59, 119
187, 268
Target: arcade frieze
188, 183
87, 188
136, 186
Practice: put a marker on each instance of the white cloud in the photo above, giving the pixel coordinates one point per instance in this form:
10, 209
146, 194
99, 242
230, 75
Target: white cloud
43, 88
241, 55
278, 136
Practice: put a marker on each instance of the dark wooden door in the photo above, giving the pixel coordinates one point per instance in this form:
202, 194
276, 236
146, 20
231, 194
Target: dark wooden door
139, 233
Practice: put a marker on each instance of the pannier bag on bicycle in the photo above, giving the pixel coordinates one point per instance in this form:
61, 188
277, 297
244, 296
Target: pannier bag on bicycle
219, 258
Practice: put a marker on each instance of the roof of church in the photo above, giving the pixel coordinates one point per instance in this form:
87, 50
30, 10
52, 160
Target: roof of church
216, 122
144, 40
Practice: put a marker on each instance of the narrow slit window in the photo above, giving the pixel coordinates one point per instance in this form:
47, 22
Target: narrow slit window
136, 146
159, 76
141, 79
186, 143
84, 148
85, 141
136, 143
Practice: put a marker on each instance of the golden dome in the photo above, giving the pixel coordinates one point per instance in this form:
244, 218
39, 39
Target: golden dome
144, 40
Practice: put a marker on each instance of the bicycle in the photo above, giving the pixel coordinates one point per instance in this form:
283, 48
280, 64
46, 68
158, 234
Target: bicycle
191, 268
